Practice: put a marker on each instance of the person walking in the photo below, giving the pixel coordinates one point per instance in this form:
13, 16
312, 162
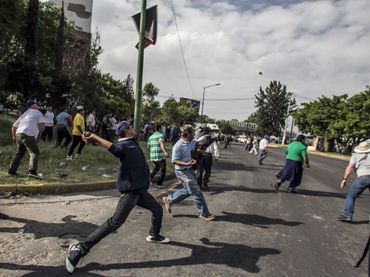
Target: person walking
49, 124
293, 169
204, 162
64, 121
254, 146
184, 161
78, 129
133, 183
263, 147
158, 153
24, 132
91, 122
360, 162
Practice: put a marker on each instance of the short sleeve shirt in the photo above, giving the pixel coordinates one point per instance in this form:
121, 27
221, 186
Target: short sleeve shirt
296, 151
362, 163
28, 123
263, 143
181, 151
156, 153
78, 121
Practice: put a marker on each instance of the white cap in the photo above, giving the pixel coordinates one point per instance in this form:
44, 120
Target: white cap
79, 108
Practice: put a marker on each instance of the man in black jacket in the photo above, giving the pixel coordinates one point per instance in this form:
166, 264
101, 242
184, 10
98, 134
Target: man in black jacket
133, 180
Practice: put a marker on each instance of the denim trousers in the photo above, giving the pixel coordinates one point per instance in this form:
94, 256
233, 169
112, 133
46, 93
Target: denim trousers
262, 155
125, 205
190, 188
25, 143
159, 165
358, 186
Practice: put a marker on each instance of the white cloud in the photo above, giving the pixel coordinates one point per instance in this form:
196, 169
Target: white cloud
314, 47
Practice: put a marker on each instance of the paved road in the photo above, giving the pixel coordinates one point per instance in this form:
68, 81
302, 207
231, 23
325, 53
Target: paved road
258, 232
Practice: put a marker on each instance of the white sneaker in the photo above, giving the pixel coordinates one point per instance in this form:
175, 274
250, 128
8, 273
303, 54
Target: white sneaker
77, 156
69, 158
157, 239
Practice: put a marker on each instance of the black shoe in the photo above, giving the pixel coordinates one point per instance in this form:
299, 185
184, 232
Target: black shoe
344, 218
157, 238
33, 174
277, 186
13, 174
260, 162
74, 256
291, 191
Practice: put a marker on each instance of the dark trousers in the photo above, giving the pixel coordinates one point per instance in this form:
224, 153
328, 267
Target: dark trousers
204, 164
25, 143
124, 207
159, 165
76, 140
62, 133
48, 132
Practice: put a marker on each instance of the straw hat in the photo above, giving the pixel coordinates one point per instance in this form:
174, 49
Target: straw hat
363, 147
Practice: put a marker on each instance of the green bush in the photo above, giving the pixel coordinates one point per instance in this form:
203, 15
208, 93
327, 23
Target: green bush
6, 131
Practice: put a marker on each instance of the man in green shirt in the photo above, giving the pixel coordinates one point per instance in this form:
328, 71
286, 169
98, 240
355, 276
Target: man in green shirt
157, 154
293, 169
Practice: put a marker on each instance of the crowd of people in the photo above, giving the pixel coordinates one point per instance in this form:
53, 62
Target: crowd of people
193, 153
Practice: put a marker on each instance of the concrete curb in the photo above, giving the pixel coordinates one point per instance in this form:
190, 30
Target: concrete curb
63, 188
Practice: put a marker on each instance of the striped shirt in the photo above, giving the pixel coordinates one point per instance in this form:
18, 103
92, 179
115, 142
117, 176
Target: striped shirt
156, 153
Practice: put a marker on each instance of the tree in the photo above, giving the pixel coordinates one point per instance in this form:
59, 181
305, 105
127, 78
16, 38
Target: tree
60, 42
31, 29
169, 111
272, 104
225, 127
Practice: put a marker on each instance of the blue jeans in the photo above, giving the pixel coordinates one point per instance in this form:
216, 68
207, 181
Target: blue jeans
358, 186
263, 155
190, 188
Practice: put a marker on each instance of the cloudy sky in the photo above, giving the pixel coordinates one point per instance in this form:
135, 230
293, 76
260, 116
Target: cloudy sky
314, 47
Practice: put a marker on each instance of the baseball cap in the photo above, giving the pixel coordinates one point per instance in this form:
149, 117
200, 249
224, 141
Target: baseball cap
79, 108
29, 103
121, 127
266, 136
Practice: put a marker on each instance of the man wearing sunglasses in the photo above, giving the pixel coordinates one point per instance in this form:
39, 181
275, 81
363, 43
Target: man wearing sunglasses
133, 182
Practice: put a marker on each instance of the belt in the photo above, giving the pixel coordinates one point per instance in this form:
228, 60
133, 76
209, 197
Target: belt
185, 169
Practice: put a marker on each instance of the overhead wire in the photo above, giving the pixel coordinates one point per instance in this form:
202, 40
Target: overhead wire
181, 49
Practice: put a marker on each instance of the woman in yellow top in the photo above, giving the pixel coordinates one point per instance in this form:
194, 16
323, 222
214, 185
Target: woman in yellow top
78, 129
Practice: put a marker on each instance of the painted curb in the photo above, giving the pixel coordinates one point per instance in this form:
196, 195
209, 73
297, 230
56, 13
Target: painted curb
63, 188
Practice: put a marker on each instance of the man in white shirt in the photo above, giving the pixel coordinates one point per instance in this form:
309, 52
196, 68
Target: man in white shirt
263, 147
24, 132
49, 123
91, 122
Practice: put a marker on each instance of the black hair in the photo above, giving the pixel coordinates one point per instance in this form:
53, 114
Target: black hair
158, 127
300, 138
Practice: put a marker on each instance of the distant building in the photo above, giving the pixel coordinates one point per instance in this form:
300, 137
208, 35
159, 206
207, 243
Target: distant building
191, 103
79, 12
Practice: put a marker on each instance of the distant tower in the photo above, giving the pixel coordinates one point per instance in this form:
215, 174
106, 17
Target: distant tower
80, 12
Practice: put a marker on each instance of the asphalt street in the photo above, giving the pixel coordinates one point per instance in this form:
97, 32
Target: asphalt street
257, 232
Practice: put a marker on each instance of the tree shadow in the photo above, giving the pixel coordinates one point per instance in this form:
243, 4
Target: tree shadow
69, 229
218, 253
250, 219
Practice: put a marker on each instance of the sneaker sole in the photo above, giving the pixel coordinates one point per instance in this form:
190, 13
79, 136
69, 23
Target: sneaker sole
166, 240
69, 267
34, 176
207, 218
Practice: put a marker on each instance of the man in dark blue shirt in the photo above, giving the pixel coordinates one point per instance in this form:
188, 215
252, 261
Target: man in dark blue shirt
133, 180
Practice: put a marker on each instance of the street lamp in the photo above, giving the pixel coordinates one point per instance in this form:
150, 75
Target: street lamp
204, 90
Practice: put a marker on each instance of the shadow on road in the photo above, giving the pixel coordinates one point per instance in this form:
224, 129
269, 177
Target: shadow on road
250, 219
213, 190
218, 253
69, 229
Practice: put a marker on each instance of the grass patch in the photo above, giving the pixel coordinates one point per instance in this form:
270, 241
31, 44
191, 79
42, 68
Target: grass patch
52, 158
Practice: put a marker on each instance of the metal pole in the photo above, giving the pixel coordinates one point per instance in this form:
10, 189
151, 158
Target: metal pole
139, 72
291, 130
201, 115
286, 121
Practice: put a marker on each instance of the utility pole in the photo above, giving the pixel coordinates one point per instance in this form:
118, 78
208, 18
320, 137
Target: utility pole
286, 121
139, 72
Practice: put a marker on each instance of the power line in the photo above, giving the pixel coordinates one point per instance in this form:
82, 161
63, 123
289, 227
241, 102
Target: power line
214, 99
182, 51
